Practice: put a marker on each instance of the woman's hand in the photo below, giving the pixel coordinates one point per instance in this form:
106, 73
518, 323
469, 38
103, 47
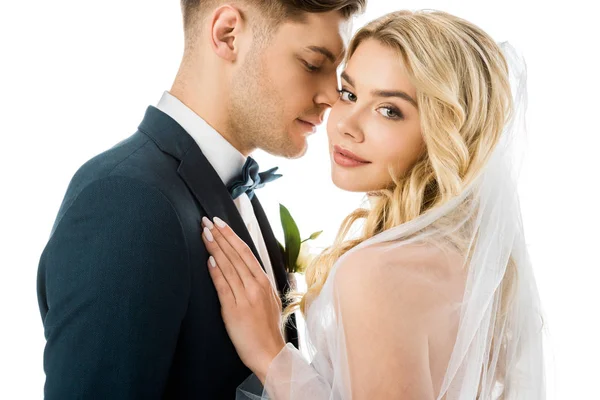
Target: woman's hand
250, 306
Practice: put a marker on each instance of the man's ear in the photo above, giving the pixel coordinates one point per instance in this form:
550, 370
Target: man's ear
226, 24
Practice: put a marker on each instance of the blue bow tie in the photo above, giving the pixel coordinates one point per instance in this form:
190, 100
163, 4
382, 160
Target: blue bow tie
251, 179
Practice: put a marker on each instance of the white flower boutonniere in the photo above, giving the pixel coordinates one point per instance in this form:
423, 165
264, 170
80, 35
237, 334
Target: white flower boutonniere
296, 252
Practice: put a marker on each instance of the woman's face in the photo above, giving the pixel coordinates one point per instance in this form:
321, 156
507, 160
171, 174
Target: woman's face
375, 123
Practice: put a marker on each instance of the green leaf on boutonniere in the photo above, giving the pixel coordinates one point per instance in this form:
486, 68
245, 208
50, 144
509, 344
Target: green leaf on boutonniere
313, 236
292, 238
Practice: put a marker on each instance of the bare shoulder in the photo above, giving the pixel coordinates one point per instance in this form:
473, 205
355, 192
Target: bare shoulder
420, 276
405, 301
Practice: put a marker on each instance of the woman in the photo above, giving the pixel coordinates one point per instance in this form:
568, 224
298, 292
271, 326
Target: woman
436, 298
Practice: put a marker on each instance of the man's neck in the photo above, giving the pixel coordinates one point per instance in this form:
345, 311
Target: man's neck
200, 95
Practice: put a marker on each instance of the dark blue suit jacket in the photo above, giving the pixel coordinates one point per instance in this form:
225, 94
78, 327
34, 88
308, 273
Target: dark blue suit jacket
128, 306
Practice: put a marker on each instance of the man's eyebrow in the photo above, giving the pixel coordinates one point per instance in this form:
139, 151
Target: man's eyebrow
383, 93
324, 51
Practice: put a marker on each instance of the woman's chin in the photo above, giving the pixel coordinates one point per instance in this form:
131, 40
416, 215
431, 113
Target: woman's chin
357, 183
349, 185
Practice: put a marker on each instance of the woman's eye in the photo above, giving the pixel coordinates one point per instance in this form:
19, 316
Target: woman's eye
347, 96
390, 112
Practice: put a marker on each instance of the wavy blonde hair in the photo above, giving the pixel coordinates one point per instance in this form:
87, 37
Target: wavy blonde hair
464, 101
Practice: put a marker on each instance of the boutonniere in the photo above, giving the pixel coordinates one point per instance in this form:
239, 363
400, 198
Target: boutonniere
296, 252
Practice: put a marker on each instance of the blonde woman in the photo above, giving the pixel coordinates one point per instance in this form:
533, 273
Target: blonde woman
436, 298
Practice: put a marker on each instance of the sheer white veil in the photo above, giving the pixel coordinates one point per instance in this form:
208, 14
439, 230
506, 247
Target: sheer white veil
498, 350
499, 342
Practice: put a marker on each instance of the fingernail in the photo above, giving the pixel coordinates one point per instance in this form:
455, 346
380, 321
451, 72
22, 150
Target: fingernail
208, 235
212, 261
220, 223
207, 222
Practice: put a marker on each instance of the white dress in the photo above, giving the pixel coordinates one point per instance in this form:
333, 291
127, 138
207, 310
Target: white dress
415, 312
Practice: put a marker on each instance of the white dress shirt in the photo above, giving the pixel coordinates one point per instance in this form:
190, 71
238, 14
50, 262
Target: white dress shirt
227, 162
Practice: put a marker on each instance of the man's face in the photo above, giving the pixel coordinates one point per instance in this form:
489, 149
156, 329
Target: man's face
283, 88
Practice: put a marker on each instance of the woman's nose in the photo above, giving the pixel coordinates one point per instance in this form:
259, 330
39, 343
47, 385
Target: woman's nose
349, 126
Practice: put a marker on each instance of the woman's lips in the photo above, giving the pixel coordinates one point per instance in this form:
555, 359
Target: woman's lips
345, 158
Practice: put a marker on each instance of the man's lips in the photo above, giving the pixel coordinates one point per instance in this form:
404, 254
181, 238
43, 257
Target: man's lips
305, 122
315, 121
311, 127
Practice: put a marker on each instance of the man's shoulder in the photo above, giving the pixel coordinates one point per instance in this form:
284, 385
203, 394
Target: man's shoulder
134, 162
136, 157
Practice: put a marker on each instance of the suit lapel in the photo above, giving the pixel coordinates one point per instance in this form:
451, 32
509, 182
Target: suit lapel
195, 170
275, 255
212, 194
281, 276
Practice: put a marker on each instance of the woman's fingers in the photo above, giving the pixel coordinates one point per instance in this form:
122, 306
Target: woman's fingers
231, 253
226, 269
226, 297
242, 251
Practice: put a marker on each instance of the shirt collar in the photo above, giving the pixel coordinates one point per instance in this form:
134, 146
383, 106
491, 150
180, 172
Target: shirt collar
224, 158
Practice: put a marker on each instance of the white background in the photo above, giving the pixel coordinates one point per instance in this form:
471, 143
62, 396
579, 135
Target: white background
76, 77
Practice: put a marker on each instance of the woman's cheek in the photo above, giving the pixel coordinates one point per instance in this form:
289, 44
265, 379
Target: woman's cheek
392, 151
332, 121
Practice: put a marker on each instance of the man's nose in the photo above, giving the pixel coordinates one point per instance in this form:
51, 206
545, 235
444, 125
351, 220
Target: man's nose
328, 91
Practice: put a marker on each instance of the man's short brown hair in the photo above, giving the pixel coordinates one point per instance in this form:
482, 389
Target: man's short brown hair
277, 10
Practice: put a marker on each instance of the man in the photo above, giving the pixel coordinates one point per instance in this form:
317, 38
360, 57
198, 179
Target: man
129, 309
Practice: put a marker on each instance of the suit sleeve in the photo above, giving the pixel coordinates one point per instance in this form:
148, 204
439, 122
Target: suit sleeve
115, 280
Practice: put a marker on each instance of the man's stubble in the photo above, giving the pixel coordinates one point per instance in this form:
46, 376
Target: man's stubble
256, 112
